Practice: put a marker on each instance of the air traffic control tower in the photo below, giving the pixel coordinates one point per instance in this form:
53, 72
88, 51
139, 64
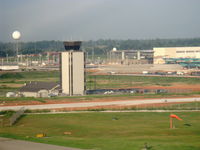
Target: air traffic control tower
72, 69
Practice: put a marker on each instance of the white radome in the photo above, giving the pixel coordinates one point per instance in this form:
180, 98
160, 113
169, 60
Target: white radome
114, 49
16, 35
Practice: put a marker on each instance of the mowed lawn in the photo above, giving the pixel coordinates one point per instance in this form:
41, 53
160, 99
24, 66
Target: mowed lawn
110, 131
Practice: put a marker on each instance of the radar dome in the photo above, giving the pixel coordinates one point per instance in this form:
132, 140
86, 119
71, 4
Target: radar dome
16, 35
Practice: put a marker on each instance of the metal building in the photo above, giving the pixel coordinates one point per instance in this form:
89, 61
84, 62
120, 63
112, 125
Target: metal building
39, 89
168, 53
131, 56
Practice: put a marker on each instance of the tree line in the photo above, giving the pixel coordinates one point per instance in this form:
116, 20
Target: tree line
99, 47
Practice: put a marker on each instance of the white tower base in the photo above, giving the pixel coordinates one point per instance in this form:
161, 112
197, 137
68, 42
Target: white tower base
72, 73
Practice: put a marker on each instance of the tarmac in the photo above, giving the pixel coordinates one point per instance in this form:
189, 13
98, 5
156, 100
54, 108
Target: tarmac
12, 144
94, 104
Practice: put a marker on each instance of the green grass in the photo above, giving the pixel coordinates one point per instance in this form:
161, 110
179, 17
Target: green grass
184, 106
94, 97
4, 90
21, 99
102, 131
93, 81
48, 76
109, 80
11, 76
40, 74
33, 74
23, 77
123, 81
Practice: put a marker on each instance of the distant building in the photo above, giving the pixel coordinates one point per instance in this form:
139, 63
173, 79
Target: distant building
39, 89
9, 67
131, 56
163, 55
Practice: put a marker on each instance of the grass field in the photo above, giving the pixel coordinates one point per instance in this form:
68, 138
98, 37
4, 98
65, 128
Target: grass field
183, 106
13, 81
123, 81
110, 131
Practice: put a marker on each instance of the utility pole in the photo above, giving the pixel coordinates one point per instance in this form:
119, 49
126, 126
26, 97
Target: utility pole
2, 61
93, 55
7, 58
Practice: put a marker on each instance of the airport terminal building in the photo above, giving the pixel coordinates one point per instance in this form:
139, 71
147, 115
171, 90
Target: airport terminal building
177, 55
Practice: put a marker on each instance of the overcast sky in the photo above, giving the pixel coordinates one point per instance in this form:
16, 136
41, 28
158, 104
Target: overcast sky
94, 19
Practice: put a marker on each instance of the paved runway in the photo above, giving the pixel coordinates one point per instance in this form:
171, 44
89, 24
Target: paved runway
11, 144
109, 103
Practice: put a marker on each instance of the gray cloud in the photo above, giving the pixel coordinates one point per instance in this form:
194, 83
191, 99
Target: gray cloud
94, 19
